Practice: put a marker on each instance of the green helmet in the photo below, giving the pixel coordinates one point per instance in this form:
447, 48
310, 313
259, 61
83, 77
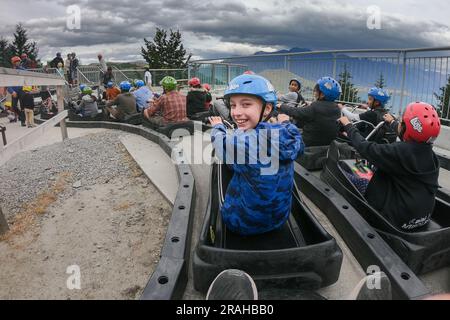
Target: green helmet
169, 83
87, 90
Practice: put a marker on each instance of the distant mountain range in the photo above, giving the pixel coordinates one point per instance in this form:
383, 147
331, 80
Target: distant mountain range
293, 50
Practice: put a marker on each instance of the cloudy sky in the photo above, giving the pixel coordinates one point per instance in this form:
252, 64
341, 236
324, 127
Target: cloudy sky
224, 28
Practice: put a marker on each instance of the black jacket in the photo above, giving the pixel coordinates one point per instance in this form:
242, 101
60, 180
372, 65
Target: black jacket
405, 182
55, 61
26, 100
195, 102
375, 116
107, 77
318, 120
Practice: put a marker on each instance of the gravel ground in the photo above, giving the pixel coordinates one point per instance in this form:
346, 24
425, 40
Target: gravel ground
88, 160
86, 204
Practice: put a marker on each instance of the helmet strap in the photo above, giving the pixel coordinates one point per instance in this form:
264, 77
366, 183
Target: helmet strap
262, 118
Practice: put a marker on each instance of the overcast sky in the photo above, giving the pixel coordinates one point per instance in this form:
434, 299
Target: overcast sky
224, 28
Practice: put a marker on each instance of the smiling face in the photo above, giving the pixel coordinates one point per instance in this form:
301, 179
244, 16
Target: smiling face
246, 111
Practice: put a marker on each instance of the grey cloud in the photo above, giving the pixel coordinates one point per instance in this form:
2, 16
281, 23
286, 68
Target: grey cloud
318, 31
309, 24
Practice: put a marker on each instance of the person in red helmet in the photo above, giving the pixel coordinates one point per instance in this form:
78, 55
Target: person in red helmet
16, 62
208, 96
405, 181
196, 98
16, 93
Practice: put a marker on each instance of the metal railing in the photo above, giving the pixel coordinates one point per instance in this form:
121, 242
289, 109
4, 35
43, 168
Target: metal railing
216, 74
119, 76
15, 78
408, 74
157, 74
53, 71
90, 75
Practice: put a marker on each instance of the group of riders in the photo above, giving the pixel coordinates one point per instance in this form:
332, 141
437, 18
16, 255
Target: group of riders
406, 170
405, 180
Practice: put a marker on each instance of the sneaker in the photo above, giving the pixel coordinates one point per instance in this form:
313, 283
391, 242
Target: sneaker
23, 124
373, 287
232, 284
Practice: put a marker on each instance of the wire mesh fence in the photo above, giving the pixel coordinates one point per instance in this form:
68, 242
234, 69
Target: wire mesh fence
408, 75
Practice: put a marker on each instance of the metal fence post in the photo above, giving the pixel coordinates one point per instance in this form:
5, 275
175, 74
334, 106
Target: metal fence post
334, 65
402, 90
60, 98
213, 75
228, 74
3, 223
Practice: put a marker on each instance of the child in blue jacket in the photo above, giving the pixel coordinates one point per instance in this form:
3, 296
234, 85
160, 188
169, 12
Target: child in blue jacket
259, 196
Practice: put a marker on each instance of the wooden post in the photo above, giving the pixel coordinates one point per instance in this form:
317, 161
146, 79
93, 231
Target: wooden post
60, 99
3, 223
3, 131
63, 126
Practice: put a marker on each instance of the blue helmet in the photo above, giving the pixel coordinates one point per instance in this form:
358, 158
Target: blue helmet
110, 84
125, 86
254, 85
330, 88
82, 86
380, 95
139, 83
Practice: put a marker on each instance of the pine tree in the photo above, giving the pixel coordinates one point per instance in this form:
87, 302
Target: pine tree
444, 100
163, 53
21, 44
380, 82
349, 92
4, 53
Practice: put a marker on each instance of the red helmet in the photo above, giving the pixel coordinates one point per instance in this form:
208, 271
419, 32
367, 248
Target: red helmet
15, 59
24, 56
207, 87
194, 82
421, 123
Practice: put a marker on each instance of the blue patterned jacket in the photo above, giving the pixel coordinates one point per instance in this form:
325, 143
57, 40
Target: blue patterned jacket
259, 196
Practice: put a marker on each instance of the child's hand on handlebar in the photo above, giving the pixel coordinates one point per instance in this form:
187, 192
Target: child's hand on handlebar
388, 118
364, 106
344, 121
283, 117
215, 120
